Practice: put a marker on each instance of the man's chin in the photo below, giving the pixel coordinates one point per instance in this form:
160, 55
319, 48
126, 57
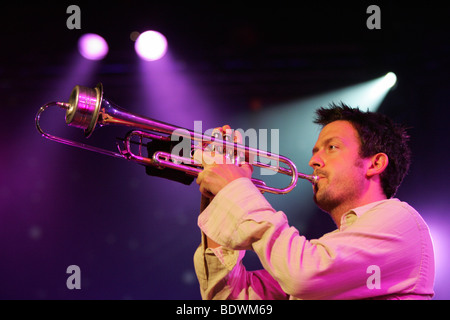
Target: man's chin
323, 203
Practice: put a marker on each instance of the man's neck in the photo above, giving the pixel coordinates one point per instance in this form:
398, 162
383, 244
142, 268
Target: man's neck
337, 212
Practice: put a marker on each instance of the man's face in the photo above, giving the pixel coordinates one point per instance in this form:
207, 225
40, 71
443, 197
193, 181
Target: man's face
336, 161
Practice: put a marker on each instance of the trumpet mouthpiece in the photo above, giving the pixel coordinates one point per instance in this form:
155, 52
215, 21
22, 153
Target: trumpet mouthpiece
310, 177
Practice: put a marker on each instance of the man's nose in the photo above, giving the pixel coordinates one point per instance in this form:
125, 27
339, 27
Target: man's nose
316, 161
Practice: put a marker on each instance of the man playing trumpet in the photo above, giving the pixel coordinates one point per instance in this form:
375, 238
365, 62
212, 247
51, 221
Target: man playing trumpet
381, 248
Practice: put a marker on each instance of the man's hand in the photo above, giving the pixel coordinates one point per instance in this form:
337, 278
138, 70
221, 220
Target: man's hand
215, 177
217, 170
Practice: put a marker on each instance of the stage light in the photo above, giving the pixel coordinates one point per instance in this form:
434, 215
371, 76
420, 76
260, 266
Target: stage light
381, 86
439, 227
390, 79
151, 45
92, 46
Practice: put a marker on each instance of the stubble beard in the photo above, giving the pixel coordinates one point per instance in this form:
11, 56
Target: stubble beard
337, 193
326, 201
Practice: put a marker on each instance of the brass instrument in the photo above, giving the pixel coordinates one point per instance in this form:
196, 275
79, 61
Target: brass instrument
87, 109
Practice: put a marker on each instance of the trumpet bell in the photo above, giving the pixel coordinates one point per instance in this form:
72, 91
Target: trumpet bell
84, 108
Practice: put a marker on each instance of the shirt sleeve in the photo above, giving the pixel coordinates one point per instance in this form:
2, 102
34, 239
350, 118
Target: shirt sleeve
222, 276
336, 266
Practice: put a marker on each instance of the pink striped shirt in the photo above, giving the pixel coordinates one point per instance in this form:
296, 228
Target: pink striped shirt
382, 250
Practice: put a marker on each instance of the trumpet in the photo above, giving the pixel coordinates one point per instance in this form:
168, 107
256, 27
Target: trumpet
87, 109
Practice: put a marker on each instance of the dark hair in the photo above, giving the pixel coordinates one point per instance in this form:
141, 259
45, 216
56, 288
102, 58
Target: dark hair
377, 134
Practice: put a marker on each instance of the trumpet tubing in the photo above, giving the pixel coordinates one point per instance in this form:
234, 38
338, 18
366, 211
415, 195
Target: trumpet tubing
87, 109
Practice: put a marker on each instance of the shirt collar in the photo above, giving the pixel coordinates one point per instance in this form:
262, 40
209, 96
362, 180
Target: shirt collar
350, 217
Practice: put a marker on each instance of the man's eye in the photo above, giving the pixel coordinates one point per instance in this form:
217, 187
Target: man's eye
332, 147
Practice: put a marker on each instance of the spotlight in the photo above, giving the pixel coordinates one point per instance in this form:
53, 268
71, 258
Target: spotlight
380, 87
92, 46
151, 45
389, 80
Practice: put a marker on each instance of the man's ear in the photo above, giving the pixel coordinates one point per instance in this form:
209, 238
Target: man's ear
378, 164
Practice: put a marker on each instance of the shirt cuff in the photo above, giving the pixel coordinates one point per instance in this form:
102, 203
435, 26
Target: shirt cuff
227, 257
238, 201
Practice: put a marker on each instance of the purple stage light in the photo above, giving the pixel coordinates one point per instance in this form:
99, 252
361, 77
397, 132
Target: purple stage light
92, 46
439, 227
151, 45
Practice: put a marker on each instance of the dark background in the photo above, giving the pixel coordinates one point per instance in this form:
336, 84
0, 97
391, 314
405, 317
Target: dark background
133, 236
